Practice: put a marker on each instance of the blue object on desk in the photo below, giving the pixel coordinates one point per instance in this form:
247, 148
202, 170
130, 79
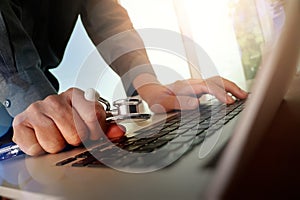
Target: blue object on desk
8, 149
5, 121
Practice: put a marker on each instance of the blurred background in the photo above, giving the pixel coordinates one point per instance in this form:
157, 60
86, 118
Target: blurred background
232, 32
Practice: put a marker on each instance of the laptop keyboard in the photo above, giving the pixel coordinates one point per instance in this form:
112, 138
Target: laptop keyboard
159, 144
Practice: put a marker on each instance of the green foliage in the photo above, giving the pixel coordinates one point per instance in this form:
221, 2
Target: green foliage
249, 35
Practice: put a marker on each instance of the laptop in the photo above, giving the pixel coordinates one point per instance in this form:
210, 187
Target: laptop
187, 164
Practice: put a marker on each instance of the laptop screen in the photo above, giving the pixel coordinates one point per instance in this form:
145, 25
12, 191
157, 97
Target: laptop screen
233, 33
273, 80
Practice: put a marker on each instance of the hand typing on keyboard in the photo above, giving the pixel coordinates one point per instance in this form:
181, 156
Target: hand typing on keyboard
184, 94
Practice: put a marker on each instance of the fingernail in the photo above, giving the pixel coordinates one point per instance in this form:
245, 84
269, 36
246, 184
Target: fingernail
91, 94
229, 99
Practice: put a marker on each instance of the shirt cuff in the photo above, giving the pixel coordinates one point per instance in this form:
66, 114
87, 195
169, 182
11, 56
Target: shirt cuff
24, 88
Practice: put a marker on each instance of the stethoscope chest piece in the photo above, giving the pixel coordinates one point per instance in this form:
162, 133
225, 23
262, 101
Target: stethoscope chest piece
127, 110
127, 106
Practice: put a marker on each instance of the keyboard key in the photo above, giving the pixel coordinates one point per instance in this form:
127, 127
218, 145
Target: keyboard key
182, 139
83, 155
152, 146
96, 163
66, 161
84, 162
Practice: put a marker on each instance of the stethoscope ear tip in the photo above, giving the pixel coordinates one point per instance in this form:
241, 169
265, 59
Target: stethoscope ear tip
91, 94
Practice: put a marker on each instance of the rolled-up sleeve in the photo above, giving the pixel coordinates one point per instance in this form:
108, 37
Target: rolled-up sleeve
21, 80
24, 88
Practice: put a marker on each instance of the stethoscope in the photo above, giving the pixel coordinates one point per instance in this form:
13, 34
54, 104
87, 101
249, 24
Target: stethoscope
125, 109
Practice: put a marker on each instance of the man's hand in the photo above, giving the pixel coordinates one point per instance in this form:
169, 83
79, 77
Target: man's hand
68, 118
184, 95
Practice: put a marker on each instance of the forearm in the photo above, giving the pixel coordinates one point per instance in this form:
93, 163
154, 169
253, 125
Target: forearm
135, 70
112, 32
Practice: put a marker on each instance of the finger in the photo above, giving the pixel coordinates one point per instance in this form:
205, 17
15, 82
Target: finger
48, 135
35, 133
221, 94
228, 86
198, 87
65, 117
115, 131
234, 89
91, 113
216, 86
213, 86
29, 143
